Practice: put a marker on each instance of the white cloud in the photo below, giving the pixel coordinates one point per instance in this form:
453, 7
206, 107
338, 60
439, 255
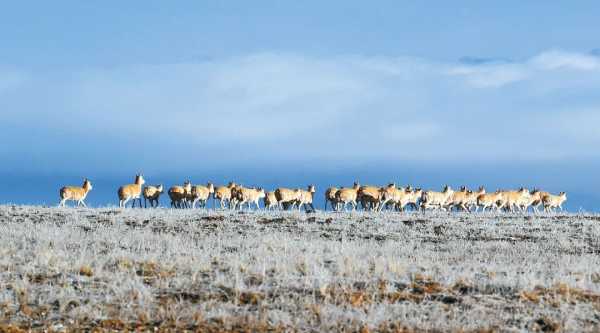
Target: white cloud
288, 107
566, 60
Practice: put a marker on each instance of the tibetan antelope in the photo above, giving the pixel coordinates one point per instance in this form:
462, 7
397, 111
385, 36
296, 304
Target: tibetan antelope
287, 198
470, 200
179, 195
345, 196
248, 196
75, 193
436, 199
464, 199
414, 198
270, 200
152, 194
305, 198
535, 200
330, 197
223, 194
131, 192
490, 200
551, 202
392, 195
369, 197
201, 194
456, 198
516, 199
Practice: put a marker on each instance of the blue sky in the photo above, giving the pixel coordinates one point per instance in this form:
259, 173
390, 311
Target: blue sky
273, 92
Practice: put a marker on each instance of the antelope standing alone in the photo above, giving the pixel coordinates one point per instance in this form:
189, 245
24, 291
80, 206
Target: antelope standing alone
75, 193
131, 191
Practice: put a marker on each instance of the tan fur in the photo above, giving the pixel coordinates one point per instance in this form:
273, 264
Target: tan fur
346, 196
369, 197
270, 200
490, 200
535, 200
470, 200
75, 193
551, 202
223, 194
413, 198
180, 194
330, 197
394, 195
131, 191
152, 194
464, 199
286, 196
248, 196
434, 199
515, 199
305, 197
200, 194
457, 198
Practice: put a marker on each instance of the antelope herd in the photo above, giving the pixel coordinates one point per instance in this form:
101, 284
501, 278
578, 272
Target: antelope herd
370, 198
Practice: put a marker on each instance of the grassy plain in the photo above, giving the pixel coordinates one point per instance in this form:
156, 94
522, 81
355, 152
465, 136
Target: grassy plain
112, 269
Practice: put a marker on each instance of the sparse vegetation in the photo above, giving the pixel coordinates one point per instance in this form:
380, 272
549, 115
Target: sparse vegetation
231, 271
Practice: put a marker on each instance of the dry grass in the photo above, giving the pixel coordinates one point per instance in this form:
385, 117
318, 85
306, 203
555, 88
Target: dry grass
115, 270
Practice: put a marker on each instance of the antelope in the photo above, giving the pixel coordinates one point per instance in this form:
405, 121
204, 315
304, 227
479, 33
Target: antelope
270, 200
456, 199
248, 196
330, 197
369, 197
554, 201
75, 193
223, 194
131, 191
179, 194
470, 200
465, 199
235, 196
535, 200
393, 195
489, 200
346, 196
152, 194
516, 199
413, 199
286, 197
201, 194
305, 198
432, 198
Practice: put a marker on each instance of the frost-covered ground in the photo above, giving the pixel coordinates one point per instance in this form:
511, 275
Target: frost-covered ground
288, 271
